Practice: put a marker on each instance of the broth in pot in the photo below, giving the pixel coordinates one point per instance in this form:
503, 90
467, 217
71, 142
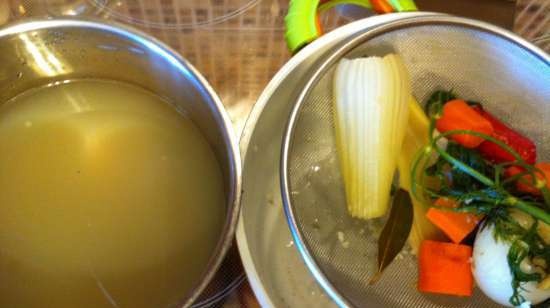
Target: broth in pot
108, 198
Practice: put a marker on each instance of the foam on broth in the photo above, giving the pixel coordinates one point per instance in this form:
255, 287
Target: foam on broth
108, 198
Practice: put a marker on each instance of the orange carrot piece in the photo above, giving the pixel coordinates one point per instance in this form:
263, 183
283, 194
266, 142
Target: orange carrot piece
458, 115
444, 268
525, 183
455, 225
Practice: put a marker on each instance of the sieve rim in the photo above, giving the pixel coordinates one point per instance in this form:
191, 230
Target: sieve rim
339, 52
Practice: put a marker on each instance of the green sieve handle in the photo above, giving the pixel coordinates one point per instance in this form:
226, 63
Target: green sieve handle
302, 20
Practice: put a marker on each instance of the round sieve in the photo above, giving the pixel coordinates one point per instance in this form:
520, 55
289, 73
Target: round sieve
479, 62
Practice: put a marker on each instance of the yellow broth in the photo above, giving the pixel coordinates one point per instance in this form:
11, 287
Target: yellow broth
108, 198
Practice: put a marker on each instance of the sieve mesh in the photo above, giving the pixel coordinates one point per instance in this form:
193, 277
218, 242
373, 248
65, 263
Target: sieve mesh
512, 82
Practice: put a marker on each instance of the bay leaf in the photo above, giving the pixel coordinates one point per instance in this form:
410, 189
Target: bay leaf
395, 232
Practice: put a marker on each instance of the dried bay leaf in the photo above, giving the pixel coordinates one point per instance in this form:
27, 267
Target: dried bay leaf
395, 232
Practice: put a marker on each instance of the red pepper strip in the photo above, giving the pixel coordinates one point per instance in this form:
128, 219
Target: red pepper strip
521, 144
458, 115
381, 6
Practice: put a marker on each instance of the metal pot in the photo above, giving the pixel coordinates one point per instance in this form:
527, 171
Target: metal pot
39, 52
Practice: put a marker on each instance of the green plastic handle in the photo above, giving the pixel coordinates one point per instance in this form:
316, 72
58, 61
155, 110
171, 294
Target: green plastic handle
403, 5
330, 4
302, 19
301, 23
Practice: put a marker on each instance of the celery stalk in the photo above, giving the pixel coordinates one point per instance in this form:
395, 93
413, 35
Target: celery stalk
416, 137
371, 109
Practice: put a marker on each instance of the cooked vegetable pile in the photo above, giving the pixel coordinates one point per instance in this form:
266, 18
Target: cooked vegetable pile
486, 179
481, 200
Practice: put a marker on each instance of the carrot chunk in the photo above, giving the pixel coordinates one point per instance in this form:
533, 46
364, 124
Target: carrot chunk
458, 115
455, 225
444, 268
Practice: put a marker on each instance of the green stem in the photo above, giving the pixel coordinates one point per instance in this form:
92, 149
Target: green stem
492, 139
514, 178
546, 195
423, 152
524, 206
510, 200
431, 130
432, 193
532, 210
507, 164
459, 164
498, 172
519, 160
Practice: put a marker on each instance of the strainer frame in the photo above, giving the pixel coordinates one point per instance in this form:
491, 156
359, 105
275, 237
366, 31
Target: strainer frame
363, 35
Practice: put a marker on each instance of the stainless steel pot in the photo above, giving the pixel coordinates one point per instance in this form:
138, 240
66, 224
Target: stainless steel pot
39, 52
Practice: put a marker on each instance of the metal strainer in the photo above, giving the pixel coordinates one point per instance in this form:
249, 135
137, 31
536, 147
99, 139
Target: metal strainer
480, 62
